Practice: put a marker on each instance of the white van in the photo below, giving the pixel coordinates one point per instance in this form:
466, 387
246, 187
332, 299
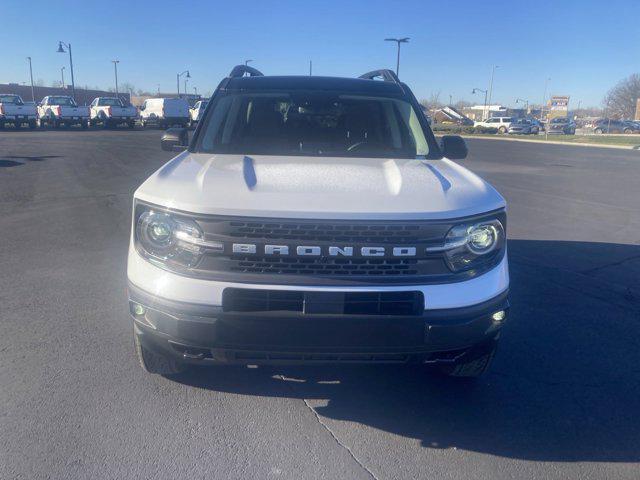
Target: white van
164, 112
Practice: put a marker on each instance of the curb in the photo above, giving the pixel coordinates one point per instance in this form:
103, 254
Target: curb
552, 142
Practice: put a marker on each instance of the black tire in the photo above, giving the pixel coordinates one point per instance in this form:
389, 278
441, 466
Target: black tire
472, 368
132, 125
152, 362
599, 131
1, 125
502, 130
627, 130
85, 125
32, 124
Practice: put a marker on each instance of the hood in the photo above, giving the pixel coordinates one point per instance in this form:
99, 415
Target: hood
313, 187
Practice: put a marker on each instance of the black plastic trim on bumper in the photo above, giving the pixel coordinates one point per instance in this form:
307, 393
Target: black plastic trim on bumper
194, 333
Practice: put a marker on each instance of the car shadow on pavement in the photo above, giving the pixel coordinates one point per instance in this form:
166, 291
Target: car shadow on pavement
565, 385
14, 160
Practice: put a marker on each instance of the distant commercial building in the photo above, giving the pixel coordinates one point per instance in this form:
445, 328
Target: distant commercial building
480, 112
83, 96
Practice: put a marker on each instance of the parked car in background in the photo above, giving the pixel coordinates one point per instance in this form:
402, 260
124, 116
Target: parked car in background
606, 125
631, 126
523, 126
112, 111
561, 126
14, 110
195, 113
164, 112
61, 111
501, 123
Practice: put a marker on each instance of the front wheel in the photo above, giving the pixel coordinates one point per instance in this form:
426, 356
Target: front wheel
502, 130
599, 131
152, 362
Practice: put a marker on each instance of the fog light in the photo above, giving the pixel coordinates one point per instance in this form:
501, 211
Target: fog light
499, 316
139, 309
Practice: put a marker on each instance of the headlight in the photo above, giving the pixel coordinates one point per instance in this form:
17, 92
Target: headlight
168, 239
471, 245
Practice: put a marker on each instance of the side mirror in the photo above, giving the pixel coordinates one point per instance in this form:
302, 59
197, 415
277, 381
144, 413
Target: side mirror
175, 140
453, 147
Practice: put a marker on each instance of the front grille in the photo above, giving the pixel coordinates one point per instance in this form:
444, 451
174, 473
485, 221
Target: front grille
244, 300
333, 232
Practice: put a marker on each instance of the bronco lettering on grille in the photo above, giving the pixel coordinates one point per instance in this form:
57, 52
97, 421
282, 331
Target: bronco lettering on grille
317, 251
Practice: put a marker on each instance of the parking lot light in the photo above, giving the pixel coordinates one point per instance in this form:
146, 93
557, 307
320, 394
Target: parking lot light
61, 49
188, 75
33, 94
484, 110
115, 67
398, 41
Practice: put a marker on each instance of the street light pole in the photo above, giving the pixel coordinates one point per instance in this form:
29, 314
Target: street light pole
493, 71
61, 46
398, 41
33, 94
484, 109
178, 80
115, 68
544, 98
62, 72
246, 62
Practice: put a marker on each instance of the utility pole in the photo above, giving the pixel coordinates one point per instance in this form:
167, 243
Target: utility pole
115, 67
33, 94
310, 68
493, 71
450, 100
398, 41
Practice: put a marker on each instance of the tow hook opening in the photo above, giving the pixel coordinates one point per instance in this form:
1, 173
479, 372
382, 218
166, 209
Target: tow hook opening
190, 352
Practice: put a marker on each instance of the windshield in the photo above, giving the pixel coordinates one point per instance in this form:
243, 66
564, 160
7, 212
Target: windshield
63, 101
13, 99
559, 120
110, 102
313, 123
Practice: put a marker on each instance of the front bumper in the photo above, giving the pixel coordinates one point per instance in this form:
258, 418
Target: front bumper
206, 334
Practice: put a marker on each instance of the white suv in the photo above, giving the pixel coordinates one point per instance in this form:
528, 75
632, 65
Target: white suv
501, 123
315, 219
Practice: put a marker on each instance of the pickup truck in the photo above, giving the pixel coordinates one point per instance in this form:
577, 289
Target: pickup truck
112, 111
195, 113
58, 110
316, 220
13, 110
501, 123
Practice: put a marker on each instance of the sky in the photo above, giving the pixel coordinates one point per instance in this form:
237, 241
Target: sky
584, 47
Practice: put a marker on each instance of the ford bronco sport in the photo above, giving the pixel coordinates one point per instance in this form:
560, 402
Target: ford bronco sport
312, 220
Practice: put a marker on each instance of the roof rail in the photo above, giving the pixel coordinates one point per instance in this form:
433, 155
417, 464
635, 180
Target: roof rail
240, 70
386, 75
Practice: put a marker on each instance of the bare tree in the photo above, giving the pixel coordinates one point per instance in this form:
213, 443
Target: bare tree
432, 102
620, 101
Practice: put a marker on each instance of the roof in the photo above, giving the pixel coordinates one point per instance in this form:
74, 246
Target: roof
355, 85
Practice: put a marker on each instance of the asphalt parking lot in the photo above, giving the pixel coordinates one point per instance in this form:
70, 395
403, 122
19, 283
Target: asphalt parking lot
561, 401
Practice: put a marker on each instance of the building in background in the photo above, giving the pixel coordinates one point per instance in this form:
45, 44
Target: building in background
83, 96
477, 112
